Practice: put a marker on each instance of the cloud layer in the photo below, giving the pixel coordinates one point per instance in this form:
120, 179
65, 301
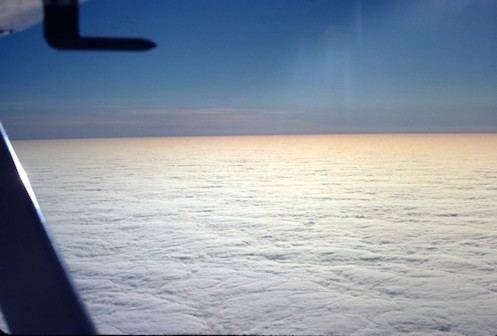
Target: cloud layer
363, 235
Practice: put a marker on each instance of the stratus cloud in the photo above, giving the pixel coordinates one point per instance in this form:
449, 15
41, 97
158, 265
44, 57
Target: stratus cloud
354, 235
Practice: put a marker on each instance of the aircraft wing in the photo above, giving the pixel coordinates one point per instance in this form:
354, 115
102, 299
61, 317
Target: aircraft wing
18, 15
61, 26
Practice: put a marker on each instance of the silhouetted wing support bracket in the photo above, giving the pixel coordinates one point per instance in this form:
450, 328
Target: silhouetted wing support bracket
61, 28
37, 295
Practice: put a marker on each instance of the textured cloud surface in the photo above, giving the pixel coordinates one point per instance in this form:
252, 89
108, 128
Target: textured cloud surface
282, 235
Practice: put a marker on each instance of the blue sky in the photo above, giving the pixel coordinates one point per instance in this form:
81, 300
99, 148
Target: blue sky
259, 67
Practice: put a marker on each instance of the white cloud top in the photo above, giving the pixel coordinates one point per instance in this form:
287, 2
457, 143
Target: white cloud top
348, 235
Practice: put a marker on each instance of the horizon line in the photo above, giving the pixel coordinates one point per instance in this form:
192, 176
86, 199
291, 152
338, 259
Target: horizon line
250, 135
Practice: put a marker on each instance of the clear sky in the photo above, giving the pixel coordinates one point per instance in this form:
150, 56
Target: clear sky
259, 67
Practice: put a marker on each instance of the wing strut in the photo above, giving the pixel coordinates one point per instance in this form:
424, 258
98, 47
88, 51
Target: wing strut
36, 292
